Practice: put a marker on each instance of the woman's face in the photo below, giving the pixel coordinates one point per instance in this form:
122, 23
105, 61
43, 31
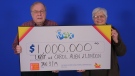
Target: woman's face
99, 18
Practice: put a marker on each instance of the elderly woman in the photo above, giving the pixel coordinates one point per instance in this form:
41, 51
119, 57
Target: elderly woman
99, 16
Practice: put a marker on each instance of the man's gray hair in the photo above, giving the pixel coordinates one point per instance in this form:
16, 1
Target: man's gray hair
99, 9
38, 2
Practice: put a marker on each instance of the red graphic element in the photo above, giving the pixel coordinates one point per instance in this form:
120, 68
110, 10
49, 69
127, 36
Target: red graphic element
97, 65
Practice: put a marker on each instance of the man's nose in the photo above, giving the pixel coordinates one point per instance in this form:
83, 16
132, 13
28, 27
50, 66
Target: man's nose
39, 13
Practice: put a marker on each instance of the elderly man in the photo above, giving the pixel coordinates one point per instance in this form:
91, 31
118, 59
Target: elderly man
38, 13
99, 16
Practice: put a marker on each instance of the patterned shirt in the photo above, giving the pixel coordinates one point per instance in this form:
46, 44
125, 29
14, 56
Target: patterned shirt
31, 23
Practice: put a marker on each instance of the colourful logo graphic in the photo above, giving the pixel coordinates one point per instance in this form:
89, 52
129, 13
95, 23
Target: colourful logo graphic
97, 65
32, 48
34, 66
65, 35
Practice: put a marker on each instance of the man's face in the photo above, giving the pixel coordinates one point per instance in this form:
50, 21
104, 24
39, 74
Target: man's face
99, 18
38, 13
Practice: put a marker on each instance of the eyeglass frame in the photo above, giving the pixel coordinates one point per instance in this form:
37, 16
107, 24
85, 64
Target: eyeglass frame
100, 16
36, 12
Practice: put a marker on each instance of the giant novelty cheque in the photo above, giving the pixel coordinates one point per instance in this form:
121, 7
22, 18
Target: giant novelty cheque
65, 47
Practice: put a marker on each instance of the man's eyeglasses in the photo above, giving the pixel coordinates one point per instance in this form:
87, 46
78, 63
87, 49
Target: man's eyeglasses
36, 12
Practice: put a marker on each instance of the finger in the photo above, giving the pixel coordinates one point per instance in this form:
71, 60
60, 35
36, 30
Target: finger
78, 70
83, 70
55, 71
113, 32
18, 49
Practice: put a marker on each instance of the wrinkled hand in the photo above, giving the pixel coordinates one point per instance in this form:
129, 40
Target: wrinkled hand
55, 71
114, 35
80, 70
18, 49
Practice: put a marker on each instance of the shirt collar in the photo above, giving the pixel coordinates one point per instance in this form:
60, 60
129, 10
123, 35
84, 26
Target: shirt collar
44, 24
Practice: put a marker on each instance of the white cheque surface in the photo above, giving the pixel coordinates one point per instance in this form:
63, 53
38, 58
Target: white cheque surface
63, 48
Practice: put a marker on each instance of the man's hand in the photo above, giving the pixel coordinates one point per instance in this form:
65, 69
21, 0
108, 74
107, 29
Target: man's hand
55, 71
18, 49
80, 70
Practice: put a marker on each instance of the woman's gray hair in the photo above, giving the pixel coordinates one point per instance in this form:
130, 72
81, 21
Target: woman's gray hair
99, 9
